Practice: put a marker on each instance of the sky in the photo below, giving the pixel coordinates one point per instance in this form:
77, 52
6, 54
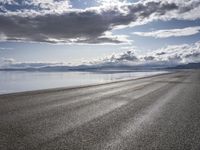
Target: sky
75, 32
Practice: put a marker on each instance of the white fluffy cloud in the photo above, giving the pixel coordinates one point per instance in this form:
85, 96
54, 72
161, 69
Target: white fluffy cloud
185, 53
170, 32
167, 56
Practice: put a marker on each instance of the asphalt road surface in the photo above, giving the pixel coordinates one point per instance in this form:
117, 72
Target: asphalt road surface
160, 112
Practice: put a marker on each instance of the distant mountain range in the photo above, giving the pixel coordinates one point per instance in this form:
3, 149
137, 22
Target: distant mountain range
104, 68
86, 68
187, 66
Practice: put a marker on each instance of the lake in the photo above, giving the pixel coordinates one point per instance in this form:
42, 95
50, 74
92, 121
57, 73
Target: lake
18, 81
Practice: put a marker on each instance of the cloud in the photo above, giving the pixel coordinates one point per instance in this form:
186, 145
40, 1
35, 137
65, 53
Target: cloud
106, 38
167, 56
185, 53
49, 21
111, 3
170, 32
126, 58
12, 63
35, 6
73, 27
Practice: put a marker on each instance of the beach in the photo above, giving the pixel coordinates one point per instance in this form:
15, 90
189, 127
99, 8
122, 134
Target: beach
156, 112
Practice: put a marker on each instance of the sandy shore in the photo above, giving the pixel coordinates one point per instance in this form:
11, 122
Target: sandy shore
159, 112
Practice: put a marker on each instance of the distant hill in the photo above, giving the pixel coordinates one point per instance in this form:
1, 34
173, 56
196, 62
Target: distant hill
87, 68
187, 66
105, 68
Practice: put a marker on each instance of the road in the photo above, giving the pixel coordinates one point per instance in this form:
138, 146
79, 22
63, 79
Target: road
160, 112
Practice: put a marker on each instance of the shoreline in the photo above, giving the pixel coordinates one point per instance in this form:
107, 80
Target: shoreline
82, 86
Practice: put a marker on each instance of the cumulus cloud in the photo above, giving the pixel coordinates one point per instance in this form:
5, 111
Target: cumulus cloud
177, 54
124, 57
167, 56
127, 58
55, 21
170, 32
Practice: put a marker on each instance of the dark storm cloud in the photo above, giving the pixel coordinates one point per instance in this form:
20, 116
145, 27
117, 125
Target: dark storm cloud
80, 26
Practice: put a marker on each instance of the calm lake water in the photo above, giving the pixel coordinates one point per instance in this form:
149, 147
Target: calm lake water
11, 82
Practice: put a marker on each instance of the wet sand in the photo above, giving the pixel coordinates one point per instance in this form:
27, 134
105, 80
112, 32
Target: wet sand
158, 112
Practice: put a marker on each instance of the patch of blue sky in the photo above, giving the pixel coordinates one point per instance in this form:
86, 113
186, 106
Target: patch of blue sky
82, 4
22, 51
20, 5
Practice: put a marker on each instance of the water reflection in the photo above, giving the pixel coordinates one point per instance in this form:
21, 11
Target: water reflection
27, 81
